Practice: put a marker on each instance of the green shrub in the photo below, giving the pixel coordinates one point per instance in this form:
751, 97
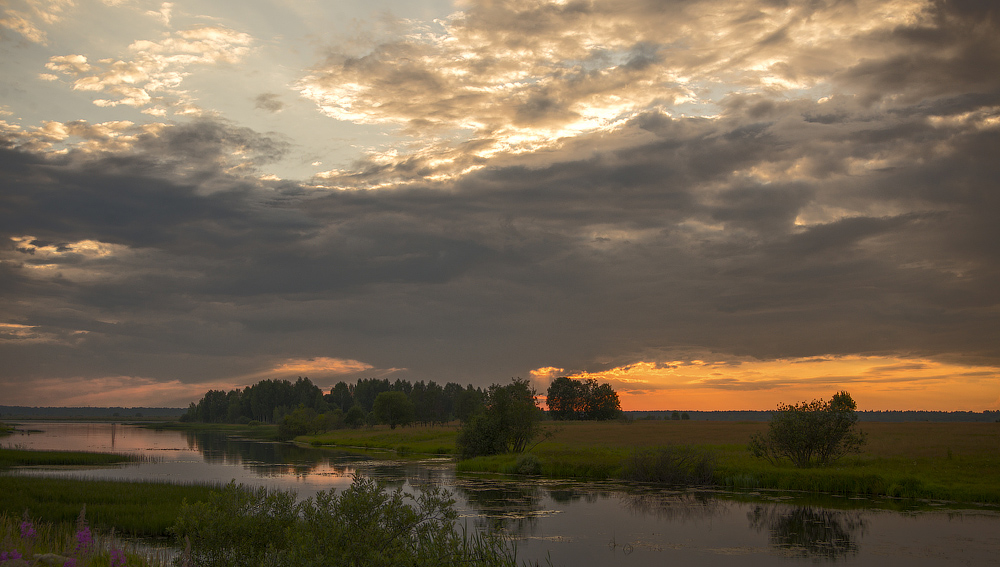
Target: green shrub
238, 526
815, 432
506, 424
528, 464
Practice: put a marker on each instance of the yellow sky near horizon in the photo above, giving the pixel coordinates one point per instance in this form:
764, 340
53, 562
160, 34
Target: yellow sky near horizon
875, 383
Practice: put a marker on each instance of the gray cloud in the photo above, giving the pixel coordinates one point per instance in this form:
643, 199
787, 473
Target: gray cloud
270, 102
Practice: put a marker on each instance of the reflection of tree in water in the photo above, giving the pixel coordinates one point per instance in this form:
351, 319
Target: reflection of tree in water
672, 505
263, 458
510, 506
569, 494
810, 532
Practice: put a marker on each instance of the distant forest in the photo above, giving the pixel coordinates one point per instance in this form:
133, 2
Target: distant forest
28, 412
269, 401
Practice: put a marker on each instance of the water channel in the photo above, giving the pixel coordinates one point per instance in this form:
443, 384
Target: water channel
567, 523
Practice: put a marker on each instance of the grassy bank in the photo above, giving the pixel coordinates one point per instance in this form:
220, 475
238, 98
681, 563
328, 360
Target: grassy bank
131, 508
947, 461
428, 440
262, 431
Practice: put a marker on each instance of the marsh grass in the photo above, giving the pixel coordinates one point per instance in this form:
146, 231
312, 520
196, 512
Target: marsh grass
13, 457
144, 509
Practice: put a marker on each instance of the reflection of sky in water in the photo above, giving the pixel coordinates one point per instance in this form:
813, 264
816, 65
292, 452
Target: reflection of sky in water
573, 523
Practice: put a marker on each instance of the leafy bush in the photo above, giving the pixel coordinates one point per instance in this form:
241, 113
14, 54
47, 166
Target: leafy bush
672, 464
507, 423
528, 464
808, 433
363, 526
239, 526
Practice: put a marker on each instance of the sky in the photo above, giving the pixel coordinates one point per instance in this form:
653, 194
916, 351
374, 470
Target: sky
709, 204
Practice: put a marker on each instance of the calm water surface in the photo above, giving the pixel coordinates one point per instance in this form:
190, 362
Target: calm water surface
571, 523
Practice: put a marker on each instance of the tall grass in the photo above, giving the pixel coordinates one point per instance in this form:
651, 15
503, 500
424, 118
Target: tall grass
671, 464
133, 508
39, 541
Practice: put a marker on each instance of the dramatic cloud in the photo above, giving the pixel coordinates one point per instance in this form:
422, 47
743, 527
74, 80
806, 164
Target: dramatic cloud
151, 79
706, 203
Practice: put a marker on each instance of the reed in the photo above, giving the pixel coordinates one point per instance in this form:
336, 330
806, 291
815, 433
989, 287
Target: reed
13, 457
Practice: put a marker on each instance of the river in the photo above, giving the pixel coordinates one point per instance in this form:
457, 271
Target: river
567, 523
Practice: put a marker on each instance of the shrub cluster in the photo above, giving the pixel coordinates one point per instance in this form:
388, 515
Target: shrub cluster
506, 424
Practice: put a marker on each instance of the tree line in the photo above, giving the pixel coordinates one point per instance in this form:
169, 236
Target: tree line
306, 409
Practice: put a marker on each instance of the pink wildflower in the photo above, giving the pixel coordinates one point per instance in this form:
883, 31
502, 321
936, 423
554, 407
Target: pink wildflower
27, 530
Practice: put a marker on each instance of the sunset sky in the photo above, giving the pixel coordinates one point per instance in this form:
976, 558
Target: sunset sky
711, 204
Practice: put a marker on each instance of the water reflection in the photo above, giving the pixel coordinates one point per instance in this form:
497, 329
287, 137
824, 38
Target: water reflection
513, 507
673, 505
810, 532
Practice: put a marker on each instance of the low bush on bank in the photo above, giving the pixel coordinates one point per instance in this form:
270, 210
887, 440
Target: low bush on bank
363, 525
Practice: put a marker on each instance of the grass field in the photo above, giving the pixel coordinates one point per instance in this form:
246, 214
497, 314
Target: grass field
948, 461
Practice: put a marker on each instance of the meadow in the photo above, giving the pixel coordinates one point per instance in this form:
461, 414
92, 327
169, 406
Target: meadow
946, 461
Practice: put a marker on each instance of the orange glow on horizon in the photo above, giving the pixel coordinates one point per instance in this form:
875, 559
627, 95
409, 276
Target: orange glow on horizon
875, 383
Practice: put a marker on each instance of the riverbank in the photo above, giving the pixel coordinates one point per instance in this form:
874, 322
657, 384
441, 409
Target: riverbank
942, 461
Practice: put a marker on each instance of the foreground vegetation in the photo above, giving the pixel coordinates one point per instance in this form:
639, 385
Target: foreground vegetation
364, 525
947, 461
27, 541
132, 508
